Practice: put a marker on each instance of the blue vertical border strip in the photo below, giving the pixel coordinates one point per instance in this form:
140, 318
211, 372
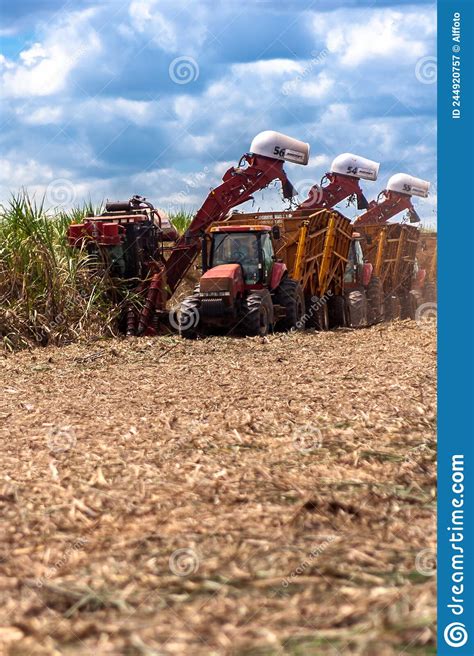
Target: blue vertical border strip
455, 328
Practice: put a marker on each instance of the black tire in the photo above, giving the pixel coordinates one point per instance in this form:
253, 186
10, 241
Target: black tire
356, 302
289, 295
255, 320
408, 304
188, 317
375, 304
404, 305
429, 292
322, 317
414, 302
337, 312
316, 313
392, 307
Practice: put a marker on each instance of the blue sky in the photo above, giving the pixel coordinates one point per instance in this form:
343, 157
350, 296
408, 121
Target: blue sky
160, 97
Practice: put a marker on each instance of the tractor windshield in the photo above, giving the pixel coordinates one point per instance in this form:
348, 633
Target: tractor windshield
241, 247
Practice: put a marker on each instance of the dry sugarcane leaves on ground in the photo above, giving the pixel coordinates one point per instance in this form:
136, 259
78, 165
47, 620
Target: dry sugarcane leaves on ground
226, 496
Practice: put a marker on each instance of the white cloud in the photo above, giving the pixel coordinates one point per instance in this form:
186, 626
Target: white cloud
267, 68
45, 115
358, 36
137, 112
319, 161
5, 63
168, 25
147, 19
313, 88
45, 67
23, 173
31, 55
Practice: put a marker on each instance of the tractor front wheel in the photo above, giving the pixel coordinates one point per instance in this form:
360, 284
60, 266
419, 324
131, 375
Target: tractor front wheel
188, 317
256, 320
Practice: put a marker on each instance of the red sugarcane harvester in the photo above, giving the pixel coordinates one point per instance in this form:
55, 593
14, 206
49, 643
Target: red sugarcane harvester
342, 182
395, 199
391, 247
130, 237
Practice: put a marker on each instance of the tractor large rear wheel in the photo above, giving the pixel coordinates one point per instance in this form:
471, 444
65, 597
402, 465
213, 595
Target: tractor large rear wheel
337, 311
357, 308
290, 295
375, 301
255, 320
188, 317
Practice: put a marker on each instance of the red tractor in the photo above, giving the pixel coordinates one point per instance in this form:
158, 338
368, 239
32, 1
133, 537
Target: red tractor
243, 285
269, 270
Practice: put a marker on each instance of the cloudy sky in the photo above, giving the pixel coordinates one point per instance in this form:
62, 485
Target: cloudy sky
105, 99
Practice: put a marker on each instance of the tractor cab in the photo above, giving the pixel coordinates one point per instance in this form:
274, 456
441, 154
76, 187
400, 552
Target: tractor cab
358, 271
249, 247
235, 260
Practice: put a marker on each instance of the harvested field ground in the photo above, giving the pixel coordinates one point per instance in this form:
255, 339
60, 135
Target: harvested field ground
227, 496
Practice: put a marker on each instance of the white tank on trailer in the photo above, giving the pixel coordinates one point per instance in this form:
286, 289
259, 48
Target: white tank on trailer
279, 146
355, 166
407, 184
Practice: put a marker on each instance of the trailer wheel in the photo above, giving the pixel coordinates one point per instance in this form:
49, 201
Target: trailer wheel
337, 312
429, 292
256, 320
290, 295
316, 313
357, 308
322, 317
375, 301
188, 317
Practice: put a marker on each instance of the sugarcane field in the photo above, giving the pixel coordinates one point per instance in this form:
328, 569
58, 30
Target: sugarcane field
223, 496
